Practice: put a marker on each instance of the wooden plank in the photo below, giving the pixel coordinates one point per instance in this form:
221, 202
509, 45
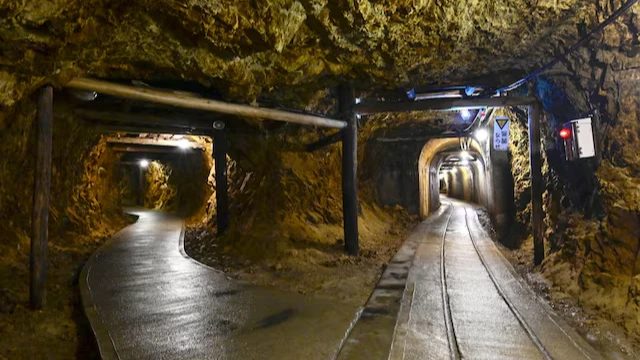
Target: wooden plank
349, 170
155, 142
535, 162
41, 195
220, 149
442, 104
193, 102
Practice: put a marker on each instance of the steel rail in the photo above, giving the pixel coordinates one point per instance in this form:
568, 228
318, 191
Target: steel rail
536, 341
454, 349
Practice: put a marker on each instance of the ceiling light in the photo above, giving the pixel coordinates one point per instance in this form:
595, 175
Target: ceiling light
144, 163
481, 135
465, 113
184, 144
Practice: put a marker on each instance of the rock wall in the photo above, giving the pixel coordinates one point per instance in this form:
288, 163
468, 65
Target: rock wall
592, 206
84, 211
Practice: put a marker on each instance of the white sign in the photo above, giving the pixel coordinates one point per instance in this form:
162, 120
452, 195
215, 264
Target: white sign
584, 138
501, 133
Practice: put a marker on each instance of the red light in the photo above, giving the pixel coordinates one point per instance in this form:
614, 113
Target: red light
565, 133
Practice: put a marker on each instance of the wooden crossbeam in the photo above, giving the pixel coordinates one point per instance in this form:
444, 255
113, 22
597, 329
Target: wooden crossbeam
122, 128
442, 104
156, 143
145, 119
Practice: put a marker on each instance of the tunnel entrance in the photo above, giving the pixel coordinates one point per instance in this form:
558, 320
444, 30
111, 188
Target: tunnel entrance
443, 167
166, 172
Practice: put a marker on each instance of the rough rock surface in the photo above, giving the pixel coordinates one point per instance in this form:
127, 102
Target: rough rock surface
246, 48
592, 206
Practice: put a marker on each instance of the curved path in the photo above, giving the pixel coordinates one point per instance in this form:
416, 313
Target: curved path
145, 299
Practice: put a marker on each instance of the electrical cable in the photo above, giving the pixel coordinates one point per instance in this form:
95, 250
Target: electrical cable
557, 59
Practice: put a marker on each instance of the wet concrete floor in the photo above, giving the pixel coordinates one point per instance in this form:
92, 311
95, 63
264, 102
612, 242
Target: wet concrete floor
147, 300
475, 306
448, 294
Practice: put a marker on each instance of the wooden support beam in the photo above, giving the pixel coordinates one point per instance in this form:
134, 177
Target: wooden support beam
193, 102
143, 129
155, 142
144, 119
535, 161
141, 182
325, 141
146, 149
41, 194
442, 104
349, 170
220, 149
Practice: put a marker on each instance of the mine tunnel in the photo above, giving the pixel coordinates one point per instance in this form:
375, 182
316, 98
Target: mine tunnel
320, 180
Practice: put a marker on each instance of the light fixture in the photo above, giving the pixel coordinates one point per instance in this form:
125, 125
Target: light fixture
144, 163
464, 155
565, 133
184, 144
465, 113
481, 135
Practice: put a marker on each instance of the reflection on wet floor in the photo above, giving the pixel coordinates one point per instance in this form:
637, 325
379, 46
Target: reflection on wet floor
157, 304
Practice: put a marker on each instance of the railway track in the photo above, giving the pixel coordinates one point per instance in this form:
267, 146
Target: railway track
452, 339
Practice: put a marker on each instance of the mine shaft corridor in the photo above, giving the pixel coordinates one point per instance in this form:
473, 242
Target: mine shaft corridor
322, 180
448, 294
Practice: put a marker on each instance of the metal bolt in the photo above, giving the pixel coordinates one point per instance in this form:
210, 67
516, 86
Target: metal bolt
218, 125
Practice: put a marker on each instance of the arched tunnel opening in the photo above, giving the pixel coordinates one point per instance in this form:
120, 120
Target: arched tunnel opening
173, 178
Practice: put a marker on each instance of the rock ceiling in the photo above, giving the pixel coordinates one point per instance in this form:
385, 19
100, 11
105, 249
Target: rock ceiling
250, 47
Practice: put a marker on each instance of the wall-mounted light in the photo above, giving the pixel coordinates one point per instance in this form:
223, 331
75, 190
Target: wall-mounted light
144, 163
565, 133
481, 135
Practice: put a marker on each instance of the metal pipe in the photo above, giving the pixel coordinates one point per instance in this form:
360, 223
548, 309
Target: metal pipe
193, 102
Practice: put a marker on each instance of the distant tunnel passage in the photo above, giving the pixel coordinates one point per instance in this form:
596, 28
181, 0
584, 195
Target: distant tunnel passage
463, 173
479, 174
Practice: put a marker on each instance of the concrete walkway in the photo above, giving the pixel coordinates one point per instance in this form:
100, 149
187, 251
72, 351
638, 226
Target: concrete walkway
450, 294
145, 299
492, 314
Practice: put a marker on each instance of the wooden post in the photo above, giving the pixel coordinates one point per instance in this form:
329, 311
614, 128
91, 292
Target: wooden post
536, 183
220, 148
349, 170
141, 181
41, 193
